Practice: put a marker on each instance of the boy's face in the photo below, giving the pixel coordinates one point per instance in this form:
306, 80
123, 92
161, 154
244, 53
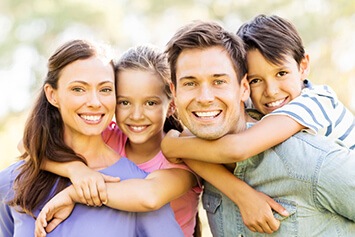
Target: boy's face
209, 97
273, 86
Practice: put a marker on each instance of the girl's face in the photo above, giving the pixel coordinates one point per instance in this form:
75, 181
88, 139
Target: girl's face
272, 86
85, 97
142, 105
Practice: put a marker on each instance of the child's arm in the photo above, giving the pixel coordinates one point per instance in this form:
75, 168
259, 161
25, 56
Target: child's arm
157, 189
255, 207
89, 184
134, 195
231, 148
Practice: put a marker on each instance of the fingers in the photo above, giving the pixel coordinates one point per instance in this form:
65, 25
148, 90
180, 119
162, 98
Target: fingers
268, 225
39, 227
88, 192
41, 223
278, 208
53, 224
110, 179
175, 160
173, 133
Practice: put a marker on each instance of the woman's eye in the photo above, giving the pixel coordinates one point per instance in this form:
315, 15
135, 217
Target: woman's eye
77, 89
107, 90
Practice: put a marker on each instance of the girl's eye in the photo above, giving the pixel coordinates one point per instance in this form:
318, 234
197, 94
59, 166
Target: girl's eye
151, 103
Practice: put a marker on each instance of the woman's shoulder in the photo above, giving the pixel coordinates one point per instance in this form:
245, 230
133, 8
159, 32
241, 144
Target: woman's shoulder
8, 175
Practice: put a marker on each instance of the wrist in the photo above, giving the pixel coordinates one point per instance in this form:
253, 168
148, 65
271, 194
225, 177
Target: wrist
72, 194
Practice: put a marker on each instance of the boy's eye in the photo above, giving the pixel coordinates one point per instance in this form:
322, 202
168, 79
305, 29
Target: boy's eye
123, 102
254, 81
282, 73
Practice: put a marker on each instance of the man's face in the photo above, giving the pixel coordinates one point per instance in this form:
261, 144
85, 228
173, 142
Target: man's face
209, 99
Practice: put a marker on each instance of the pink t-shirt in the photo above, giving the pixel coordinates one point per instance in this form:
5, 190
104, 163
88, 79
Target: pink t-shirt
186, 206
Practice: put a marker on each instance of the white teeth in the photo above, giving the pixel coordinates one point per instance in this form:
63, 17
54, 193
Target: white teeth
275, 103
92, 118
137, 128
207, 114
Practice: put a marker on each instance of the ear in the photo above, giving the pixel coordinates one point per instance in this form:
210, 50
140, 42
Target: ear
172, 109
244, 89
305, 66
51, 95
172, 89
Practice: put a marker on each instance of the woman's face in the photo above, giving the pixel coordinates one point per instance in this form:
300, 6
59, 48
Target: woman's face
142, 105
85, 96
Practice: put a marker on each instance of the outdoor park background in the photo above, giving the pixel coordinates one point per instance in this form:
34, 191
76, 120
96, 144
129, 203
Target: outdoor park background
31, 30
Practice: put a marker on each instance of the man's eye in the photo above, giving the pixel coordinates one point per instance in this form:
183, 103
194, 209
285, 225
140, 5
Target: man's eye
219, 82
190, 83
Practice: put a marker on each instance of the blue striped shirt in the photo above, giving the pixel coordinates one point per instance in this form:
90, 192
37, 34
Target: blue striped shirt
319, 110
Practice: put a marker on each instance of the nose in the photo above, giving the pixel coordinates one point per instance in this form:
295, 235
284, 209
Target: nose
94, 99
137, 112
271, 89
205, 94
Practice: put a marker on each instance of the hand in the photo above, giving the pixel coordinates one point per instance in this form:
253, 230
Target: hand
55, 211
256, 211
186, 133
90, 185
170, 136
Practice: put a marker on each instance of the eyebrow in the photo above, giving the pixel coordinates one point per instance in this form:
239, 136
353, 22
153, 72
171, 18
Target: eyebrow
85, 83
213, 75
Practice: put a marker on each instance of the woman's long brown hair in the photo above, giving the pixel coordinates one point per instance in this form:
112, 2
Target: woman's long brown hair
43, 135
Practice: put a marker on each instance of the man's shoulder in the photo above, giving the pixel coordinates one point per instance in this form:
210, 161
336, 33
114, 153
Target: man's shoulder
304, 142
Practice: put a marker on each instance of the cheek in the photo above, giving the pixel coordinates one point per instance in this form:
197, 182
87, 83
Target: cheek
255, 95
294, 90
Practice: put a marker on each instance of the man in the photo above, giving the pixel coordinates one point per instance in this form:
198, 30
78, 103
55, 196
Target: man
312, 178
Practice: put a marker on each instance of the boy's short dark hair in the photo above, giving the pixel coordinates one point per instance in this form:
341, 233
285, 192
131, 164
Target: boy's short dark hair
274, 37
200, 35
